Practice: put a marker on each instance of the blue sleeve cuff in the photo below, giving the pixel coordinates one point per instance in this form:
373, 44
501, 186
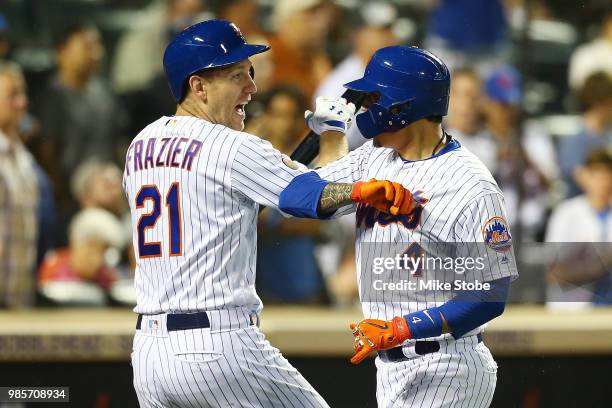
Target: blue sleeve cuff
301, 196
473, 308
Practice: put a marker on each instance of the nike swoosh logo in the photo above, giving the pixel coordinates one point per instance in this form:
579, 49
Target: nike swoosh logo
427, 314
385, 327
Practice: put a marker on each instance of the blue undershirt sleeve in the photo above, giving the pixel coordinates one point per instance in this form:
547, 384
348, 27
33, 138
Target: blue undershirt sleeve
301, 196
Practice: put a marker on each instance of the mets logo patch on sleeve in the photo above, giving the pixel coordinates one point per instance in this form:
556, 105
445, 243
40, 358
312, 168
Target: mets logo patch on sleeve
497, 234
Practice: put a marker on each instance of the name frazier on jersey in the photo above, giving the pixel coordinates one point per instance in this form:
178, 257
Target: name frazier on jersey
165, 152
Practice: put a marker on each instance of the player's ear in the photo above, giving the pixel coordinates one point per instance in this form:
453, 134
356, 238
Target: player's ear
197, 86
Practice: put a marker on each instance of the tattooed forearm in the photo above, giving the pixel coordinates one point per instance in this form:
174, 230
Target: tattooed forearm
334, 196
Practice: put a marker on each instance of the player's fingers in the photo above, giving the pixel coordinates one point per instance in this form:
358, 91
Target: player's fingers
389, 191
361, 355
402, 209
407, 204
400, 195
394, 210
351, 107
400, 192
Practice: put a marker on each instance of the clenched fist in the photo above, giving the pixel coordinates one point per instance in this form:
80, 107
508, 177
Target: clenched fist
384, 195
372, 334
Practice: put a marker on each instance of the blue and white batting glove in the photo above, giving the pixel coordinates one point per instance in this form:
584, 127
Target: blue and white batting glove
333, 114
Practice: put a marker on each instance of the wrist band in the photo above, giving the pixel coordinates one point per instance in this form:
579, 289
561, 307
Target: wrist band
424, 323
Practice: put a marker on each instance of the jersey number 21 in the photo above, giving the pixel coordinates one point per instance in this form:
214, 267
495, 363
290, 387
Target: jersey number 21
149, 220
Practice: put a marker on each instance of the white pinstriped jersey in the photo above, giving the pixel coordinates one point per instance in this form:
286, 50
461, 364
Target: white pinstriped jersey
194, 190
458, 198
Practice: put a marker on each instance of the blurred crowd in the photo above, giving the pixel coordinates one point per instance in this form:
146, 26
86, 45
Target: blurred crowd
531, 97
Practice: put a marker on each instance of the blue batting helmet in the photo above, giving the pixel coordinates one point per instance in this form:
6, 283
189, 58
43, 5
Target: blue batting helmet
212, 43
412, 84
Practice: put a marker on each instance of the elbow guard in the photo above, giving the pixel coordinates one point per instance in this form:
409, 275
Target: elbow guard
473, 308
301, 196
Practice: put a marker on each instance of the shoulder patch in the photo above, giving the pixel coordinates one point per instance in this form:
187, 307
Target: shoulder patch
496, 234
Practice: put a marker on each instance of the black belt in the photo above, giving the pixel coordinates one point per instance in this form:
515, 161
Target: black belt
420, 347
183, 321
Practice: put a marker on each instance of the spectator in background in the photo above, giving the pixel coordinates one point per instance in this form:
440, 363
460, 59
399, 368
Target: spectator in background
80, 274
47, 215
594, 56
595, 99
282, 120
244, 14
139, 52
19, 196
27, 129
525, 154
287, 269
97, 184
80, 118
5, 39
581, 272
465, 119
468, 33
298, 46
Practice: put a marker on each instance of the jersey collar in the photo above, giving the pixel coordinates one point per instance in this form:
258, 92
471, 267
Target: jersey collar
450, 146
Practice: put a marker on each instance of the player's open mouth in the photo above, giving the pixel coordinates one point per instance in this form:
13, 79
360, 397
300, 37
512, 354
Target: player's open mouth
240, 109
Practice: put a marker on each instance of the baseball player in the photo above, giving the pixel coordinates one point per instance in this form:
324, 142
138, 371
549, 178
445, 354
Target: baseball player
194, 182
427, 336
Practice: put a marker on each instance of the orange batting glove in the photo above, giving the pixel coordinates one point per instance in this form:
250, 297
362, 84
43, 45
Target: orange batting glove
372, 334
384, 195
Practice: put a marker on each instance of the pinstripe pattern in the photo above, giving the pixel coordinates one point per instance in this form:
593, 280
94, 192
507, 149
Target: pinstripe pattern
232, 173
462, 196
462, 374
204, 368
221, 185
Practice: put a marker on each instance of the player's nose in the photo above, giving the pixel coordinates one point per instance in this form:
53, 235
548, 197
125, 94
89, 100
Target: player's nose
251, 87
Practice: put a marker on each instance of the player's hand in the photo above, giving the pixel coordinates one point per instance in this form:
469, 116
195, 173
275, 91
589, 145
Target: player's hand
333, 114
372, 334
384, 195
